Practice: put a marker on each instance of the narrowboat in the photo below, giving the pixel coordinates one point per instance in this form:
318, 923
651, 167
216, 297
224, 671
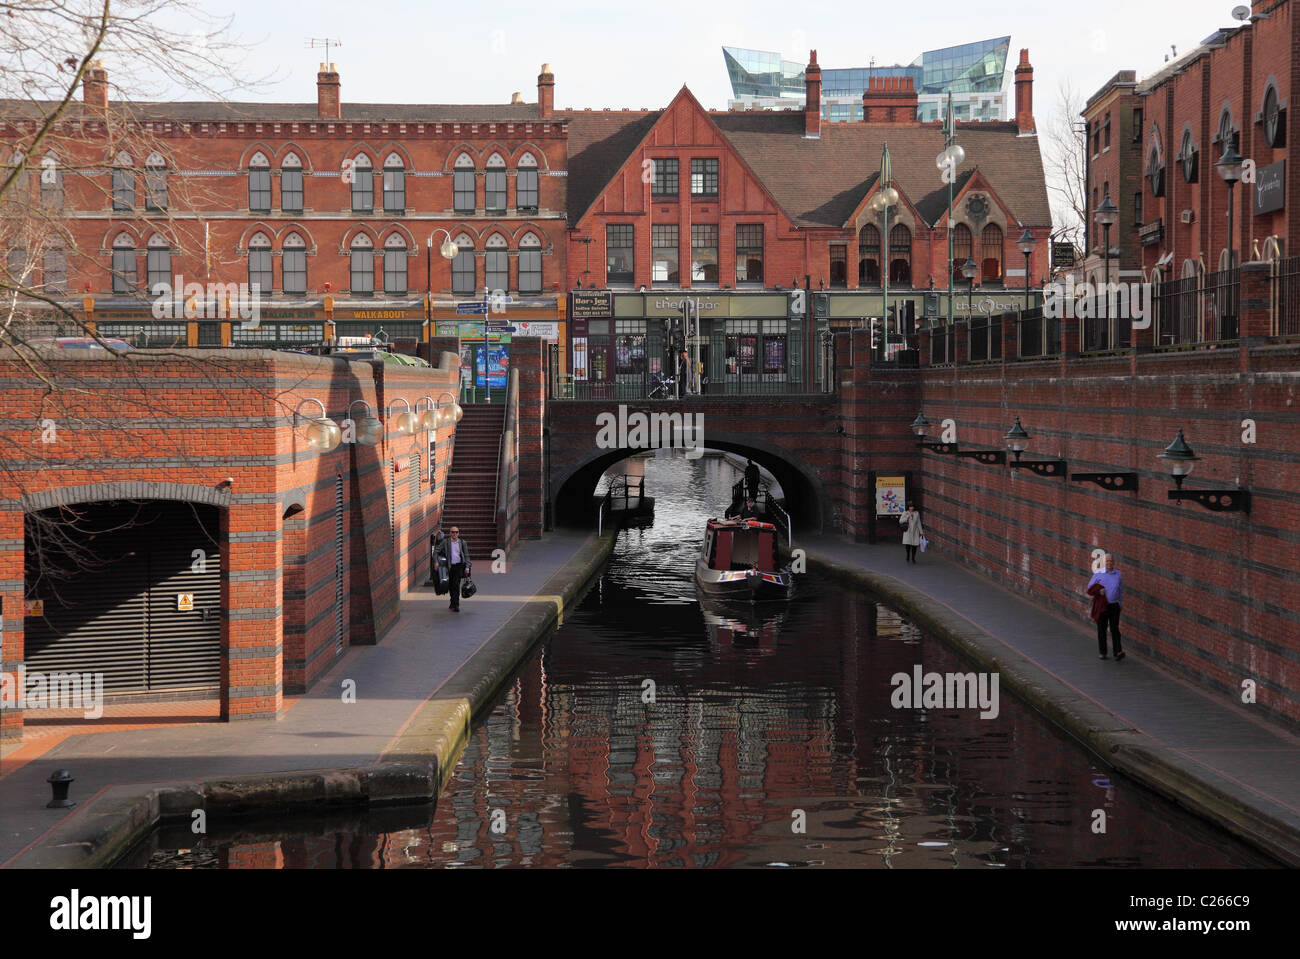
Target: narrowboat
738, 561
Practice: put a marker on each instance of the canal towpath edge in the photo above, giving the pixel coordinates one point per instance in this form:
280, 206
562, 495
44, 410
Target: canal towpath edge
1204, 753
401, 755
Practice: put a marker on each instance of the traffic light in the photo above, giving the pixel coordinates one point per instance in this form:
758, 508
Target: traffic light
875, 333
892, 325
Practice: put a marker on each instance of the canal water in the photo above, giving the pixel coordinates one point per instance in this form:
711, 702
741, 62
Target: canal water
649, 732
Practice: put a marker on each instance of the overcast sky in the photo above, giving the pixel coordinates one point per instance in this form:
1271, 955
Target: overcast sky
638, 55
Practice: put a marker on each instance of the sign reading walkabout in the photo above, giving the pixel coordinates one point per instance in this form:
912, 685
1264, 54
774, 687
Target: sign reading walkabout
591, 303
891, 495
1269, 188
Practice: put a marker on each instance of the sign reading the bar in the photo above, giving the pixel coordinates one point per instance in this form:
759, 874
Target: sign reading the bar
1270, 187
591, 303
891, 495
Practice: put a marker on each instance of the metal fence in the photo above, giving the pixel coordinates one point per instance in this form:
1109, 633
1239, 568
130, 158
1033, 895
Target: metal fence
941, 345
1038, 335
1198, 309
985, 338
1286, 296
1221, 299
1177, 308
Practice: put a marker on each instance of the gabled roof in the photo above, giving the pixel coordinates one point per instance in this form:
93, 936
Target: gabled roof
600, 142
820, 182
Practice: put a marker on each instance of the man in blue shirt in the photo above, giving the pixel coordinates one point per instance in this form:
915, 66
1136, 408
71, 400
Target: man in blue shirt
1113, 583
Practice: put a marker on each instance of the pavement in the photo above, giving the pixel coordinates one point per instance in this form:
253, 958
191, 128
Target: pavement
1201, 749
415, 694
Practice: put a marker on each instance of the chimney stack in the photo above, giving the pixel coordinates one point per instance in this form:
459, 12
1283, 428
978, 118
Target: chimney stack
1025, 94
329, 105
516, 97
546, 92
889, 100
812, 110
94, 85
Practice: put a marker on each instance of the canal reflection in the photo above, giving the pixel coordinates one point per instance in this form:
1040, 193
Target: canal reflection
649, 732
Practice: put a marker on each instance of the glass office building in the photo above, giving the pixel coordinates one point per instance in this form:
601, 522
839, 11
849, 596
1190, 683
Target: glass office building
975, 73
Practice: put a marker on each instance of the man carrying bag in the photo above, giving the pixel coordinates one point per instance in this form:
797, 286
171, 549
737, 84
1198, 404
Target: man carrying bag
453, 553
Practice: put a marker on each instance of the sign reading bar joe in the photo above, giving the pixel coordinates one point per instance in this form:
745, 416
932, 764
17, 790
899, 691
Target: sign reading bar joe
588, 304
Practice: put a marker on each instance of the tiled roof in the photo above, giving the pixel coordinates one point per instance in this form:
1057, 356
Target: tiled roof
818, 183
600, 142
215, 112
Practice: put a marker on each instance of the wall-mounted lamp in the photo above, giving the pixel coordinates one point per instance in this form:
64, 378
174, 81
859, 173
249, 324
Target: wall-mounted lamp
448, 415
368, 430
988, 457
1017, 440
322, 433
919, 426
406, 424
1180, 460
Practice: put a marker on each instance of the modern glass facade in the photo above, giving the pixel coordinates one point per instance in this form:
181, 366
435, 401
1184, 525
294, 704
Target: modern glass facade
975, 73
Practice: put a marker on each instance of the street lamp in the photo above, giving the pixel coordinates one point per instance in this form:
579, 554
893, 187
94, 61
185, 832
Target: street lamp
886, 197
968, 270
1229, 166
1107, 213
449, 249
1027, 245
948, 161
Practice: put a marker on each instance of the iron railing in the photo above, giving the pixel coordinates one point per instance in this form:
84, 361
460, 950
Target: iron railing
1221, 297
941, 345
1177, 309
1286, 296
985, 338
1038, 335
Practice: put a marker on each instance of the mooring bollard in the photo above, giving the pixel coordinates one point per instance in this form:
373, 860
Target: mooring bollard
60, 783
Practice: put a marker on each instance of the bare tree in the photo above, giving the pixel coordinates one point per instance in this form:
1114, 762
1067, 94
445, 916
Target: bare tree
1065, 159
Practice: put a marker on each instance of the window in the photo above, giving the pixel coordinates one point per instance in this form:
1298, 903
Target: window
496, 263
1155, 172
462, 268
395, 265
665, 178
291, 184
629, 346
294, 265
1187, 158
259, 183
16, 264
869, 256
55, 269
663, 252
124, 264
363, 186
991, 254
51, 184
1225, 129
259, 263
464, 184
704, 252
530, 264
749, 253
155, 183
1105, 133
704, 177
494, 186
1137, 124
1274, 128
961, 252
363, 266
900, 255
618, 253
394, 185
123, 185
158, 262
526, 184
1137, 208
839, 264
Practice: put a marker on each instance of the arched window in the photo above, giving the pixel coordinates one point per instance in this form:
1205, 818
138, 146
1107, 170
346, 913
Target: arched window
294, 264
51, 184
363, 184
259, 263
158, 262
259, 183
1273, 115
394, 184
1187, 156
395, 265
1225, 128
494, 189
991, 254
1155, 172
291, 183
900, 256
462, 268
464, 184
869, 256
496, 263
961, 252
155, 183
363, 266
530, 264
124, 279
526, 184
123, 184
